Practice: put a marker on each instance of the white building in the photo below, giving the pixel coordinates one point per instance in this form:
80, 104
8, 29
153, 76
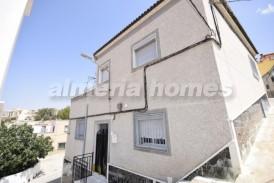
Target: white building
57, 130
155, 138
11, 16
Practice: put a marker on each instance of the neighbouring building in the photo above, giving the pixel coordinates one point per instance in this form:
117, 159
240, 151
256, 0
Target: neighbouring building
57, 130
200, 103
18, 115
266, 67
11, 115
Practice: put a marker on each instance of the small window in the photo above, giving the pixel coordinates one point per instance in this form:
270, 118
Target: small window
80, 129
150, 131
66, 129
103, 73
267, 87
272, 57
61, 146
254, 68
272, 79
43, 129
145, 51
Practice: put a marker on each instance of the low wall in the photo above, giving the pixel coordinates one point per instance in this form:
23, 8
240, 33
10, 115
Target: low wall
22, 177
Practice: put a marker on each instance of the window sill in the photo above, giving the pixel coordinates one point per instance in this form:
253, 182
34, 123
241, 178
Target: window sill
134, 69
153, 150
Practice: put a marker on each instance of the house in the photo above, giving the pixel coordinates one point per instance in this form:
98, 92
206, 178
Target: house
57, 130
266, 66
18, 115
11, 115
178, 95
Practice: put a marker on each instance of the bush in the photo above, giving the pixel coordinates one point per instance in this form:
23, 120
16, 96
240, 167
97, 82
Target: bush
20, 148
63, 113
45, 114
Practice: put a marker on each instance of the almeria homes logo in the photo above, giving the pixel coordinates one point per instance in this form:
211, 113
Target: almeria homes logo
133, 89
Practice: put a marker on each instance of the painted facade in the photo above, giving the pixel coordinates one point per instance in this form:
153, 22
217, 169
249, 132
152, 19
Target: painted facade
191, 49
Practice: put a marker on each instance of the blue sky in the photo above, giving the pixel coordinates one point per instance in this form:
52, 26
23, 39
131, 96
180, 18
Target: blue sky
52, 38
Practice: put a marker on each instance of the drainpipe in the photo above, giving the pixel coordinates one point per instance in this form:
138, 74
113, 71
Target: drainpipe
86, 125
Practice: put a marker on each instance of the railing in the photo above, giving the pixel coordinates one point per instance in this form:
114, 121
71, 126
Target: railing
82, 167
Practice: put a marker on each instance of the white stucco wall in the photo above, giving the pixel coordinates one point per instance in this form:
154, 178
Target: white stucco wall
235, 70
196, 129
11, 14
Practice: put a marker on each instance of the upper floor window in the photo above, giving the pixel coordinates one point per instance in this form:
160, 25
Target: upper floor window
104, 73
254, 68
80, 129
151, 131
145, 51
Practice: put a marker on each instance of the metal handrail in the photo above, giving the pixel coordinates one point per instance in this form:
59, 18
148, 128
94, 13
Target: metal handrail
82, 167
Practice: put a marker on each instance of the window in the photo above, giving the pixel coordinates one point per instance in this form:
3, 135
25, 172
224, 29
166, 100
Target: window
104, 74
61, 145
267, 87
80, 129
150, 130
145, 51
66, 129
272, 57
254, 68
43, 129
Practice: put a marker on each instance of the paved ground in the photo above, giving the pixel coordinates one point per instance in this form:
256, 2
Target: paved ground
95, 178
51, 168
259, 167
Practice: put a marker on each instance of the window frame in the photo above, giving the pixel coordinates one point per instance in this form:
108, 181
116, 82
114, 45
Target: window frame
58, 145
154, 149
77, 128
142, 43
100, 69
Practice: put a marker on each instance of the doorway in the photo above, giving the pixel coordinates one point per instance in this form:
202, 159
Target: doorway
101, 155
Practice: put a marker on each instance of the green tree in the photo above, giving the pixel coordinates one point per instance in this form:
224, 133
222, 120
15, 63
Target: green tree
63, 113
20, 148
45, 114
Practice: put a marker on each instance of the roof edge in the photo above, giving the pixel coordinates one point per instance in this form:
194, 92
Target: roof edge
158, 3
155, 5
237, 22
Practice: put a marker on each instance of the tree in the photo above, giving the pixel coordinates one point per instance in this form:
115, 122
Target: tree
45, 114
63, 113
20, 148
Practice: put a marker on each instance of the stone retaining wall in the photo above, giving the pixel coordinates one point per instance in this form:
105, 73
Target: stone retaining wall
246, 126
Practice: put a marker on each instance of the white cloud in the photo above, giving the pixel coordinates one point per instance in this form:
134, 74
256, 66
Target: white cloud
268, 10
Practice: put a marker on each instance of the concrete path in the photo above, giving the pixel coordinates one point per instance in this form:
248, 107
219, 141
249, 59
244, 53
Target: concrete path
51, 168
97, 179
259, 167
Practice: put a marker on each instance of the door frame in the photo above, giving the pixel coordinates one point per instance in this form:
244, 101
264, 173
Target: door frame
97, 124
